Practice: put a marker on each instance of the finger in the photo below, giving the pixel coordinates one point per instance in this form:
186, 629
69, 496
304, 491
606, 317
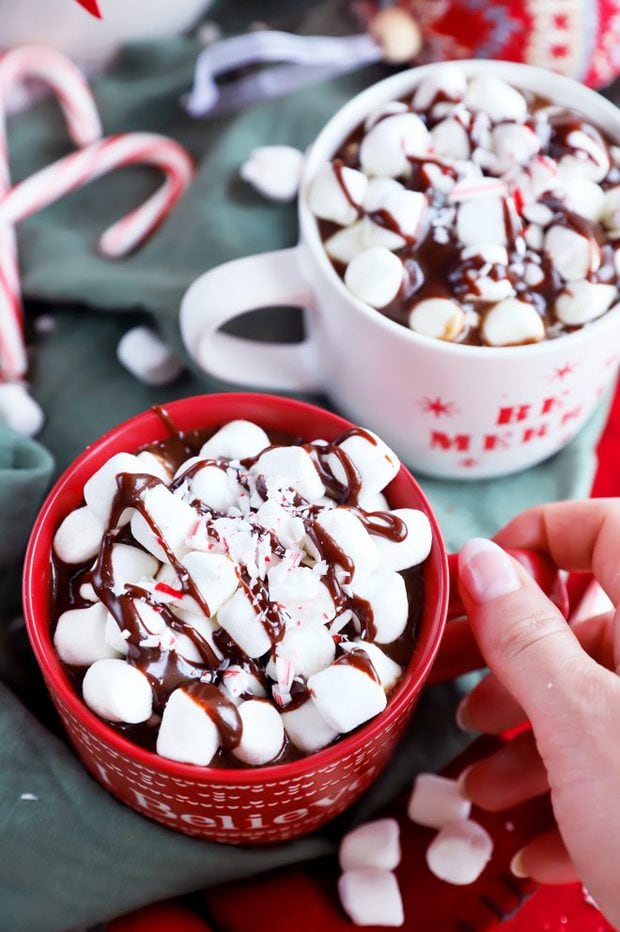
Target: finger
490, 708
596, 636
546, 860
579, 536
508, 777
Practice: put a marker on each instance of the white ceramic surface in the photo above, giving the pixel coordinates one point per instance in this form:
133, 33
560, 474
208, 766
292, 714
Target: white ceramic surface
448, 410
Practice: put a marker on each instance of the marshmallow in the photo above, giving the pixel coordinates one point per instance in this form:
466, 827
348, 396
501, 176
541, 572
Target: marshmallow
293, 465
375, 276
88, 593
533, 275
373, 235
118, 692
186, 645
572, 255
611, 208
215, 488
237, 440
435, 801
583, 301
514, 144
488, 252
79, 536
101, 488
187, 732
445, 81
512, 323
384, 149
173, 518
154, 466
241, 622
373, 501
589, 159
288, 528
450, 140
391, 108
534, 236
406, 208
460, 852
114, 637
309, 648
386, 669
375, 844
496, 98
301, 594
371, 897
481, 221
377, 192
349, 534
346, 243
214, 575
19, 410
375, 463
262, 734
238, 683
440, 318
336, 194
346, 696
386, 593
306, 729
274, 171
487, 289
540, 176
414, 549
143, 353
584, 197
130, 565
538, 213
79, 637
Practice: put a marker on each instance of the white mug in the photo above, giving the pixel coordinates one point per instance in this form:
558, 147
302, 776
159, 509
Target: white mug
449, 410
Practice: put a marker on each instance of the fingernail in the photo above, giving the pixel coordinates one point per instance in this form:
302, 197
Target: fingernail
516, 866
462, 781
462, 716
486, 571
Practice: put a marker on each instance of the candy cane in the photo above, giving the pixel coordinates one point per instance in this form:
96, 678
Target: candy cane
79, 168
68, 84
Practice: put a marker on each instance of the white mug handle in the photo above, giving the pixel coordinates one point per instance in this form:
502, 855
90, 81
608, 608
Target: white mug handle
231, 289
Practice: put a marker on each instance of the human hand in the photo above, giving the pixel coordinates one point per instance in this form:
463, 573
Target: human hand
564, 681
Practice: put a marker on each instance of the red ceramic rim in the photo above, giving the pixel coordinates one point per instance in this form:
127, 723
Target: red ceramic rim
204, 411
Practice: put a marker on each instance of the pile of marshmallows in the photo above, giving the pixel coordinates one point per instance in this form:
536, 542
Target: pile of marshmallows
458, 854
215, 523
485, 157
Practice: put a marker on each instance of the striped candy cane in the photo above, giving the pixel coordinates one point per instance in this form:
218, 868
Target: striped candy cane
67, 83
79, 168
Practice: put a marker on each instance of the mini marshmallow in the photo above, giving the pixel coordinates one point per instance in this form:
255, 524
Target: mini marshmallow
79, 536
308, 647
346, 243
101, 488
375, 463
373, 235
143, 353
215, 488
114, 637
79, 637
19, 410
373, 501
173, 517
187, 732
450, 140
214, 575
487, 289
241, 622
88, 593
460, 852
514, 144
377, 192
238, 683
295, 466
350, 535
589, 159
374, 844
481, 221
538, 213
118, 692
130, 565
512, 323
306, 729
583, 301
288, 528
384, 149
435, 801
414, 549
572, 255
584, 197
534, 236
440, 318
445, 81
332, 192
204, 627
388, 671
262, 735
611, 208
386, 593
406, 208
495, 97
391, 108
375, 276
235, 441
371, 897
274, 171
306, 600
346, 696
154, 466
488, 252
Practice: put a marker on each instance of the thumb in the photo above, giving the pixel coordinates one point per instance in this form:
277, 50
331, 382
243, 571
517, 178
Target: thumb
522, 635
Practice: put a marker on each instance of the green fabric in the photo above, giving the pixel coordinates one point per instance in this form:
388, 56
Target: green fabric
74, 856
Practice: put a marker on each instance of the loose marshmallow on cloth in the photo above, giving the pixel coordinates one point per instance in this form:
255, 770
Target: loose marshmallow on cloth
306, 728
346, 696
374, 844
262, 735
187, 732
416, 546
374, 276
335, 191
371, 897
460, 852
79, 637
117, 692
19, 410
274, 171
435, 801
78, 537
235, 441
143, 353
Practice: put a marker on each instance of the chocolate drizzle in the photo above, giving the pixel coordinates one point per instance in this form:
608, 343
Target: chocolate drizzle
220, 710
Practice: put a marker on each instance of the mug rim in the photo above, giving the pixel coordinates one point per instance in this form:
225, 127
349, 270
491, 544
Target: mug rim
402, 83
60, 688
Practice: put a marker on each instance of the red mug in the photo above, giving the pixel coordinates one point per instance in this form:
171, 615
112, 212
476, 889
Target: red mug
243, 806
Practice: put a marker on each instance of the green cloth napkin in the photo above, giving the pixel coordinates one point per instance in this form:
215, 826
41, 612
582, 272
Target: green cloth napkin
73, 856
